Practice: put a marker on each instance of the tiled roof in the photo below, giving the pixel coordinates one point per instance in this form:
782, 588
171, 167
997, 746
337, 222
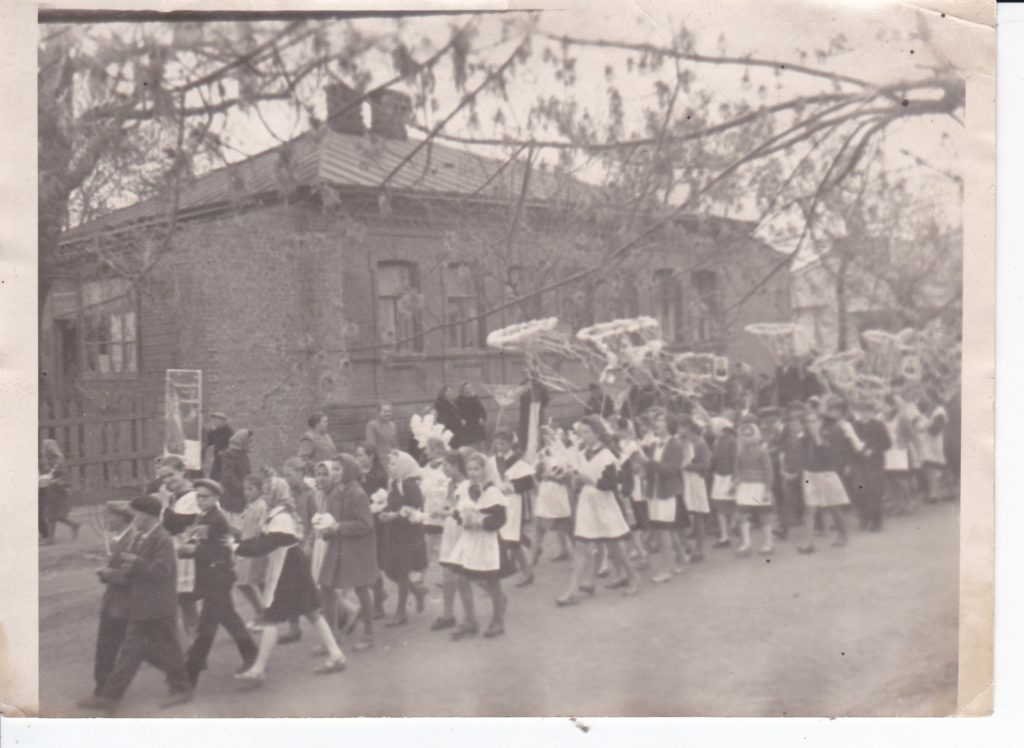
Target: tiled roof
358, 161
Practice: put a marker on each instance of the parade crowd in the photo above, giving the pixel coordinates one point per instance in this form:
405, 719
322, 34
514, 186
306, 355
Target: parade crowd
624, 494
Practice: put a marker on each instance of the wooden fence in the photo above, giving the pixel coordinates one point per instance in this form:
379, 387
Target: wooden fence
105, 445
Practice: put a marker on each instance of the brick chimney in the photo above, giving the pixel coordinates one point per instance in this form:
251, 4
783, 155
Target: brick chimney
389, 112
348, 121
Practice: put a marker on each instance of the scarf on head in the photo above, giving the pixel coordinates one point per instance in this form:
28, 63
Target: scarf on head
240, 439
278, 494
402, 466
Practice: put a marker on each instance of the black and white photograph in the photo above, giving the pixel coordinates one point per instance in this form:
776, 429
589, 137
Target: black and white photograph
585, 360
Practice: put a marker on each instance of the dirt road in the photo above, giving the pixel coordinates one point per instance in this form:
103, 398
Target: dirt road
870, 629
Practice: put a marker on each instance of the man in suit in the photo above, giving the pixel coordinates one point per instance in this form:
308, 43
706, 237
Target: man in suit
116, 595
149, 569
215, 576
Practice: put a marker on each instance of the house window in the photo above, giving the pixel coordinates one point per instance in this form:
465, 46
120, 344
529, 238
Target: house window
109, 335
707, 306
462, 306
667, 299
530, 307
398, 306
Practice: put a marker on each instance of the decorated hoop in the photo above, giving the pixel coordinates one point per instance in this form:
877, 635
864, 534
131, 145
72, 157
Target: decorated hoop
631, 343
522, 335
777, 337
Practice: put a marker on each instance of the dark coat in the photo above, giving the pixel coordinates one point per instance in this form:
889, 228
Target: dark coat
56, 497
474, 416
117, 594
215, 571
449, 416
234, 467
402, 546
665, 476
217, 438
153, 577
351, 556
867, 468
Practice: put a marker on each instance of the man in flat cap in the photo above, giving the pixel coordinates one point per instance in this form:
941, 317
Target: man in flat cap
207, 542
149, 569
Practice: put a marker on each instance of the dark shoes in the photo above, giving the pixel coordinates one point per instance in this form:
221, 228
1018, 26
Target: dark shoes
442, 623
98, 703
464, 632
176, 699
495, 629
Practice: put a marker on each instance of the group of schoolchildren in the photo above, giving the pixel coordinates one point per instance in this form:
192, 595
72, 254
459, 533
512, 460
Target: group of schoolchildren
621, 496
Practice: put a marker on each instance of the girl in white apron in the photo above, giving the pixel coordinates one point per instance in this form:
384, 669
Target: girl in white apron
478, 554
454, 466
754, 476
515, 479
823, 489
553, 508
598, 516
696, 464
290, 590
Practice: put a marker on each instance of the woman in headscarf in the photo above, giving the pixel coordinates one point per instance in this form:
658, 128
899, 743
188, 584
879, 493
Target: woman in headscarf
316, 445
401, 534
447, 413
350, 554
474, 416
374, 480
235, 466
290, 590
54, 498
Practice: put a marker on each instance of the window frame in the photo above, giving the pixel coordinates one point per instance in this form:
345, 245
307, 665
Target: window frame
124, 308
413, 280
467, 335
674, 301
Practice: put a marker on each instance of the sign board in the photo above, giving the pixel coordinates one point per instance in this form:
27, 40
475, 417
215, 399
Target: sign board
183, 428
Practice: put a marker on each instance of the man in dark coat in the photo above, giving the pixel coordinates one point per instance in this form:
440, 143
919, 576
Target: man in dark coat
152, 635
116, 595
867, 466
215, 576
217, 438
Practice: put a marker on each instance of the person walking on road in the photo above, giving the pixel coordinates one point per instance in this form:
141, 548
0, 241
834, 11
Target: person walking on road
208, 543
116, 595
152, 634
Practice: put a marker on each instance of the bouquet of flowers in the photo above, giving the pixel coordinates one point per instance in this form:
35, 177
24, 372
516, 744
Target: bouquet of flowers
411, 514
322, 522
425, 427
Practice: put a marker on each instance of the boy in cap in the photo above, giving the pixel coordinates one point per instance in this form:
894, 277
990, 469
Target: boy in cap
207, 541
152, 635
117, 520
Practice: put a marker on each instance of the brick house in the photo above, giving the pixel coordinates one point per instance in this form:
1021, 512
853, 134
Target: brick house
291, 274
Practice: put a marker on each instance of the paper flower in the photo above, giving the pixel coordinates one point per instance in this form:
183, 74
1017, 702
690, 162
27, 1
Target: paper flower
425, 427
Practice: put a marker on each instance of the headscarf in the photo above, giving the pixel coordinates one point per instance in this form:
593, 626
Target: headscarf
350, 470
277, 493
240, 439
748, 442
402, 466
334, 470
